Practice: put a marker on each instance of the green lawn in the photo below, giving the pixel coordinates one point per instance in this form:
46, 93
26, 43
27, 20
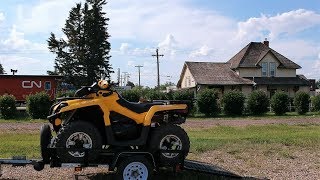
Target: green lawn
16, 144
224, 137
233, 139
288, 115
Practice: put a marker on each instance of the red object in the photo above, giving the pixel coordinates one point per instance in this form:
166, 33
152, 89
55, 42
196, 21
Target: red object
22, 85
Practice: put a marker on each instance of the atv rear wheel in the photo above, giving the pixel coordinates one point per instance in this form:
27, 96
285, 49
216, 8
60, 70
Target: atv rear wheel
78, 135
169, 137
45, 140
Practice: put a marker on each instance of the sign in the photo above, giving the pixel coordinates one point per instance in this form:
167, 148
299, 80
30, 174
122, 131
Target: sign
31, 84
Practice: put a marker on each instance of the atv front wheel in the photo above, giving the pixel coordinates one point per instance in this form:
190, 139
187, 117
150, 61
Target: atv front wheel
169, 137
78, 135
45, 140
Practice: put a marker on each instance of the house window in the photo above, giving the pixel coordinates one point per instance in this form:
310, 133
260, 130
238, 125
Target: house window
189, 81
264, 69
47, 85
272, 69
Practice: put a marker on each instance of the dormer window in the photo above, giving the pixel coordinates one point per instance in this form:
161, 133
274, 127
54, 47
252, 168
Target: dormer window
272, 69
264, 69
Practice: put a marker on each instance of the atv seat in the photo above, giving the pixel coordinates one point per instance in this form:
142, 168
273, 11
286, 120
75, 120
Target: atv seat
137, 107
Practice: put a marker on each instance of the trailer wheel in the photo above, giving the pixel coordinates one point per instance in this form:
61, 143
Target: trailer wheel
169, 137
134, 168
45, 140
78, 135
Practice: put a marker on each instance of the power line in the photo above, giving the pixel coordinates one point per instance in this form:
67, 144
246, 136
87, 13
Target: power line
158, 55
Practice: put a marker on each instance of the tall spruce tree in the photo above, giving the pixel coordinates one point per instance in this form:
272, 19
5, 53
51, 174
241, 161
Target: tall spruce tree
84, 57
1, 69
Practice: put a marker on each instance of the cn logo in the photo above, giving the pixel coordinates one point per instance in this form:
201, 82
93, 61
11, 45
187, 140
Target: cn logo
31, 84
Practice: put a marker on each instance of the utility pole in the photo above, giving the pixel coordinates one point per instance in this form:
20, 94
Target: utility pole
158, 55
124, 78
118, 78
139, 66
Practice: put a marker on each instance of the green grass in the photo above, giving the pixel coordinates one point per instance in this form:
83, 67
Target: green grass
288, 115
16, 144
234, 140
223, 137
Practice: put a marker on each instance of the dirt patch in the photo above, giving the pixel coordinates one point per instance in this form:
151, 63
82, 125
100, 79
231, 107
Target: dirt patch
207, 123
297, 164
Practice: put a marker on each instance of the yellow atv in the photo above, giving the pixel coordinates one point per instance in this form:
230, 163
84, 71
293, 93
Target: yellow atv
97, 124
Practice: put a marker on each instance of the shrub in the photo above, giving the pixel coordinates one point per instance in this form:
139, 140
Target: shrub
316, 103
154, 94
38, 105
207, 102
132, 95
258, 102
233, 103
8, 106
186, 95
183, 95
279, 103
301, 102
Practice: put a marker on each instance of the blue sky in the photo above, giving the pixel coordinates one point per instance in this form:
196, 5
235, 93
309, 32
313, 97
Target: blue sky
183, 30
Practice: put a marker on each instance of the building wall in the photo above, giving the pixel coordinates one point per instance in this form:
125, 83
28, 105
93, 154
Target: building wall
256, 72
188, 80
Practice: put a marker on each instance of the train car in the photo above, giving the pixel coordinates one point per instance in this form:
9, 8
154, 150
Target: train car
22, 85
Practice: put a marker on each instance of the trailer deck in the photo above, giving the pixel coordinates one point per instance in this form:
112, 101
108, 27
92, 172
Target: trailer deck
191, 170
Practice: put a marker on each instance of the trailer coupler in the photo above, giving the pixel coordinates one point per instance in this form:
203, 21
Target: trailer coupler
22, 161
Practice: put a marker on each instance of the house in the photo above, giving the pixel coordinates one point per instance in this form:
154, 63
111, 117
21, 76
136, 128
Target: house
256, 66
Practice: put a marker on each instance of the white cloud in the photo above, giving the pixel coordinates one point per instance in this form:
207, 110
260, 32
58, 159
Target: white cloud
272, 26
203, 51
22, 64
124, 47
2, 17
17, 42
44, 17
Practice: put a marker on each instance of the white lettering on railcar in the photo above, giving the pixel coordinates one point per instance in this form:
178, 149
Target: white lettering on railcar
31, 84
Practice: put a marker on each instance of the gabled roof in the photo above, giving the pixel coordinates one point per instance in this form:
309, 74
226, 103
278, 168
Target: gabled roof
299, 80
211, 73
254, 52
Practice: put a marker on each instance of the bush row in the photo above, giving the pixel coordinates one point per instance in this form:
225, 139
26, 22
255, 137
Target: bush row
37, 106
208, 102
233, 102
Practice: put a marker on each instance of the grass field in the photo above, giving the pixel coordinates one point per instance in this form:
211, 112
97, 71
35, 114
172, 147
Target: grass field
233, 139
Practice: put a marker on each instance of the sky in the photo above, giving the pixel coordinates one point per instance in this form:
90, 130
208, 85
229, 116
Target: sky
183, 30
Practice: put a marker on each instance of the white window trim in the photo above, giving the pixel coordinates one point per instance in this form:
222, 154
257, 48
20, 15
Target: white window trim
266, 69
274, 69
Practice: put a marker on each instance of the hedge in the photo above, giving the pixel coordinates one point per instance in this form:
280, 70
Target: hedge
233, 103
301, 102
8, 106
258, 102
207, 102
279, 103
316, 103
38, 105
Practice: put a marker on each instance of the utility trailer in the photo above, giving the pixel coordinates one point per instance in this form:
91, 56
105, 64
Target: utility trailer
187, 169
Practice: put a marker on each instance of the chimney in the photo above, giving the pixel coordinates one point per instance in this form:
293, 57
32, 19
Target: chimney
266, 42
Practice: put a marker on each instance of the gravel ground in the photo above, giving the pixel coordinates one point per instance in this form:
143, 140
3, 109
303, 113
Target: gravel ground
301, 164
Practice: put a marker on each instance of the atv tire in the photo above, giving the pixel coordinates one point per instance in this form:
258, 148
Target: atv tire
45, 140
135, 167
78, 135
169, 137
